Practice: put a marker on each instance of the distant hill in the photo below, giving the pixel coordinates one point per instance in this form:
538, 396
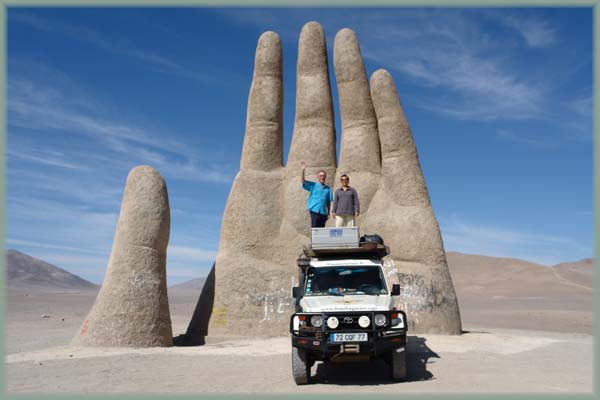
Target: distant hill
473, 275
485, 276
191, 285
580, 272
26, 272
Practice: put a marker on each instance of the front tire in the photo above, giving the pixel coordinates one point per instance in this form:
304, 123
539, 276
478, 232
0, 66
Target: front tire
398, 364
300, 366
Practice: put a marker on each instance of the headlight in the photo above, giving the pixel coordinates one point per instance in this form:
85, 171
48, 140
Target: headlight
332, 322
364, 321
316, 321
398, 321
380, 319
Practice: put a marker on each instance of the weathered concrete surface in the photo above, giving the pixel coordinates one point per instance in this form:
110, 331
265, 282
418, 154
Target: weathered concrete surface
265, 223
401, 212
314, 131
132, 308
263, 141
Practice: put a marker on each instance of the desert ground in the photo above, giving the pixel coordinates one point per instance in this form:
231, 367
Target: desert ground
520, 337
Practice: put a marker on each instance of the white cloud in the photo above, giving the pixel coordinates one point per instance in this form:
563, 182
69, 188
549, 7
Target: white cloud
46, 158
113, 45
43, 245
81, 240
194, 172
480, 91
534, 139
469, 83
59, 223
582, 106
501, 242
191, 253
85, 190
442, 49
42, 107
266, 20
536, 31
469, 72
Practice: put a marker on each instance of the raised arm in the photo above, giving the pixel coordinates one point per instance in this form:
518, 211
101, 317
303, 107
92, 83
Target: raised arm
303, 167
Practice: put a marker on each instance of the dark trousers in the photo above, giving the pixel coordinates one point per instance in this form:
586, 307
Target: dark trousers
317, 220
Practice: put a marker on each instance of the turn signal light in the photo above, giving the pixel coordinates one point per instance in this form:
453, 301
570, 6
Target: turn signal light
303, 341
302, 317
394, 315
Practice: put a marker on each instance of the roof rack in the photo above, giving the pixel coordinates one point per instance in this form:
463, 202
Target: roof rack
365, 250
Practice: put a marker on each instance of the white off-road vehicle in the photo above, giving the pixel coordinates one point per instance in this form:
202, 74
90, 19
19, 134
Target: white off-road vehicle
344, 305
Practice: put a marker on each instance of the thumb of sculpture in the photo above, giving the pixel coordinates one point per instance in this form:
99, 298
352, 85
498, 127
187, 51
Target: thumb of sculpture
132, 308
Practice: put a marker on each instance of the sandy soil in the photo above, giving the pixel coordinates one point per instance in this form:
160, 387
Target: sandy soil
511, 345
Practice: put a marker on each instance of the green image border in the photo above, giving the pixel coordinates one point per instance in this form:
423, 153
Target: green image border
4, 4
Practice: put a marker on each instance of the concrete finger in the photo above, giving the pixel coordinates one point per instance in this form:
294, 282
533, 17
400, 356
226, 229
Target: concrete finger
132, 308
360, 150
400, 162
263, 141
314, 130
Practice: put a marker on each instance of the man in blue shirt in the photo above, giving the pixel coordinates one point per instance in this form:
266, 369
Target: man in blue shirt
319, 199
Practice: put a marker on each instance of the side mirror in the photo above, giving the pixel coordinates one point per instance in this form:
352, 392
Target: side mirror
395, 289
295, 292
303, 262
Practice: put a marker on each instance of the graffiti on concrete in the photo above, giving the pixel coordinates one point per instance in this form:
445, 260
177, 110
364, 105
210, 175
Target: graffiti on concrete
271, 295
417, 293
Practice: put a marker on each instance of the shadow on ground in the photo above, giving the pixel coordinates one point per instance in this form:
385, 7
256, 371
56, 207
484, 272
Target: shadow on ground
377, 372
198, 326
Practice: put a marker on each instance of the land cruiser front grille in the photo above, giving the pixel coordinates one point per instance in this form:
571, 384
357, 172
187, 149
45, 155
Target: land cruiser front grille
350, 322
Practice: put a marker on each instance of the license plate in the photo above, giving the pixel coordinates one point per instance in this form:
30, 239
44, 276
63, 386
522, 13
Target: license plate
349, 337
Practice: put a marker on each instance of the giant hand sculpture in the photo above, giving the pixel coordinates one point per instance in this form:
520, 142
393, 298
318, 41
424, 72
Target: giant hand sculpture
265, 223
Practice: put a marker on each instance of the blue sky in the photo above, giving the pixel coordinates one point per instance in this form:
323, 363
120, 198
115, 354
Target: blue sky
499, 101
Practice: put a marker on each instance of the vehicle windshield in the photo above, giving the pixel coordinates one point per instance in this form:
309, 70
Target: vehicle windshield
339, 281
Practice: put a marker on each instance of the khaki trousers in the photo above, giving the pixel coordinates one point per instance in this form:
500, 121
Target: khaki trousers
344, 221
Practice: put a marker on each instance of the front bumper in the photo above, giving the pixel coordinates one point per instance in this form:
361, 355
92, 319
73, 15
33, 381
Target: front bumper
318, 341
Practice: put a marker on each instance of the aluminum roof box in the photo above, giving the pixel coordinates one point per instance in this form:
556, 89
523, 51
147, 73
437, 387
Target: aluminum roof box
335, 238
